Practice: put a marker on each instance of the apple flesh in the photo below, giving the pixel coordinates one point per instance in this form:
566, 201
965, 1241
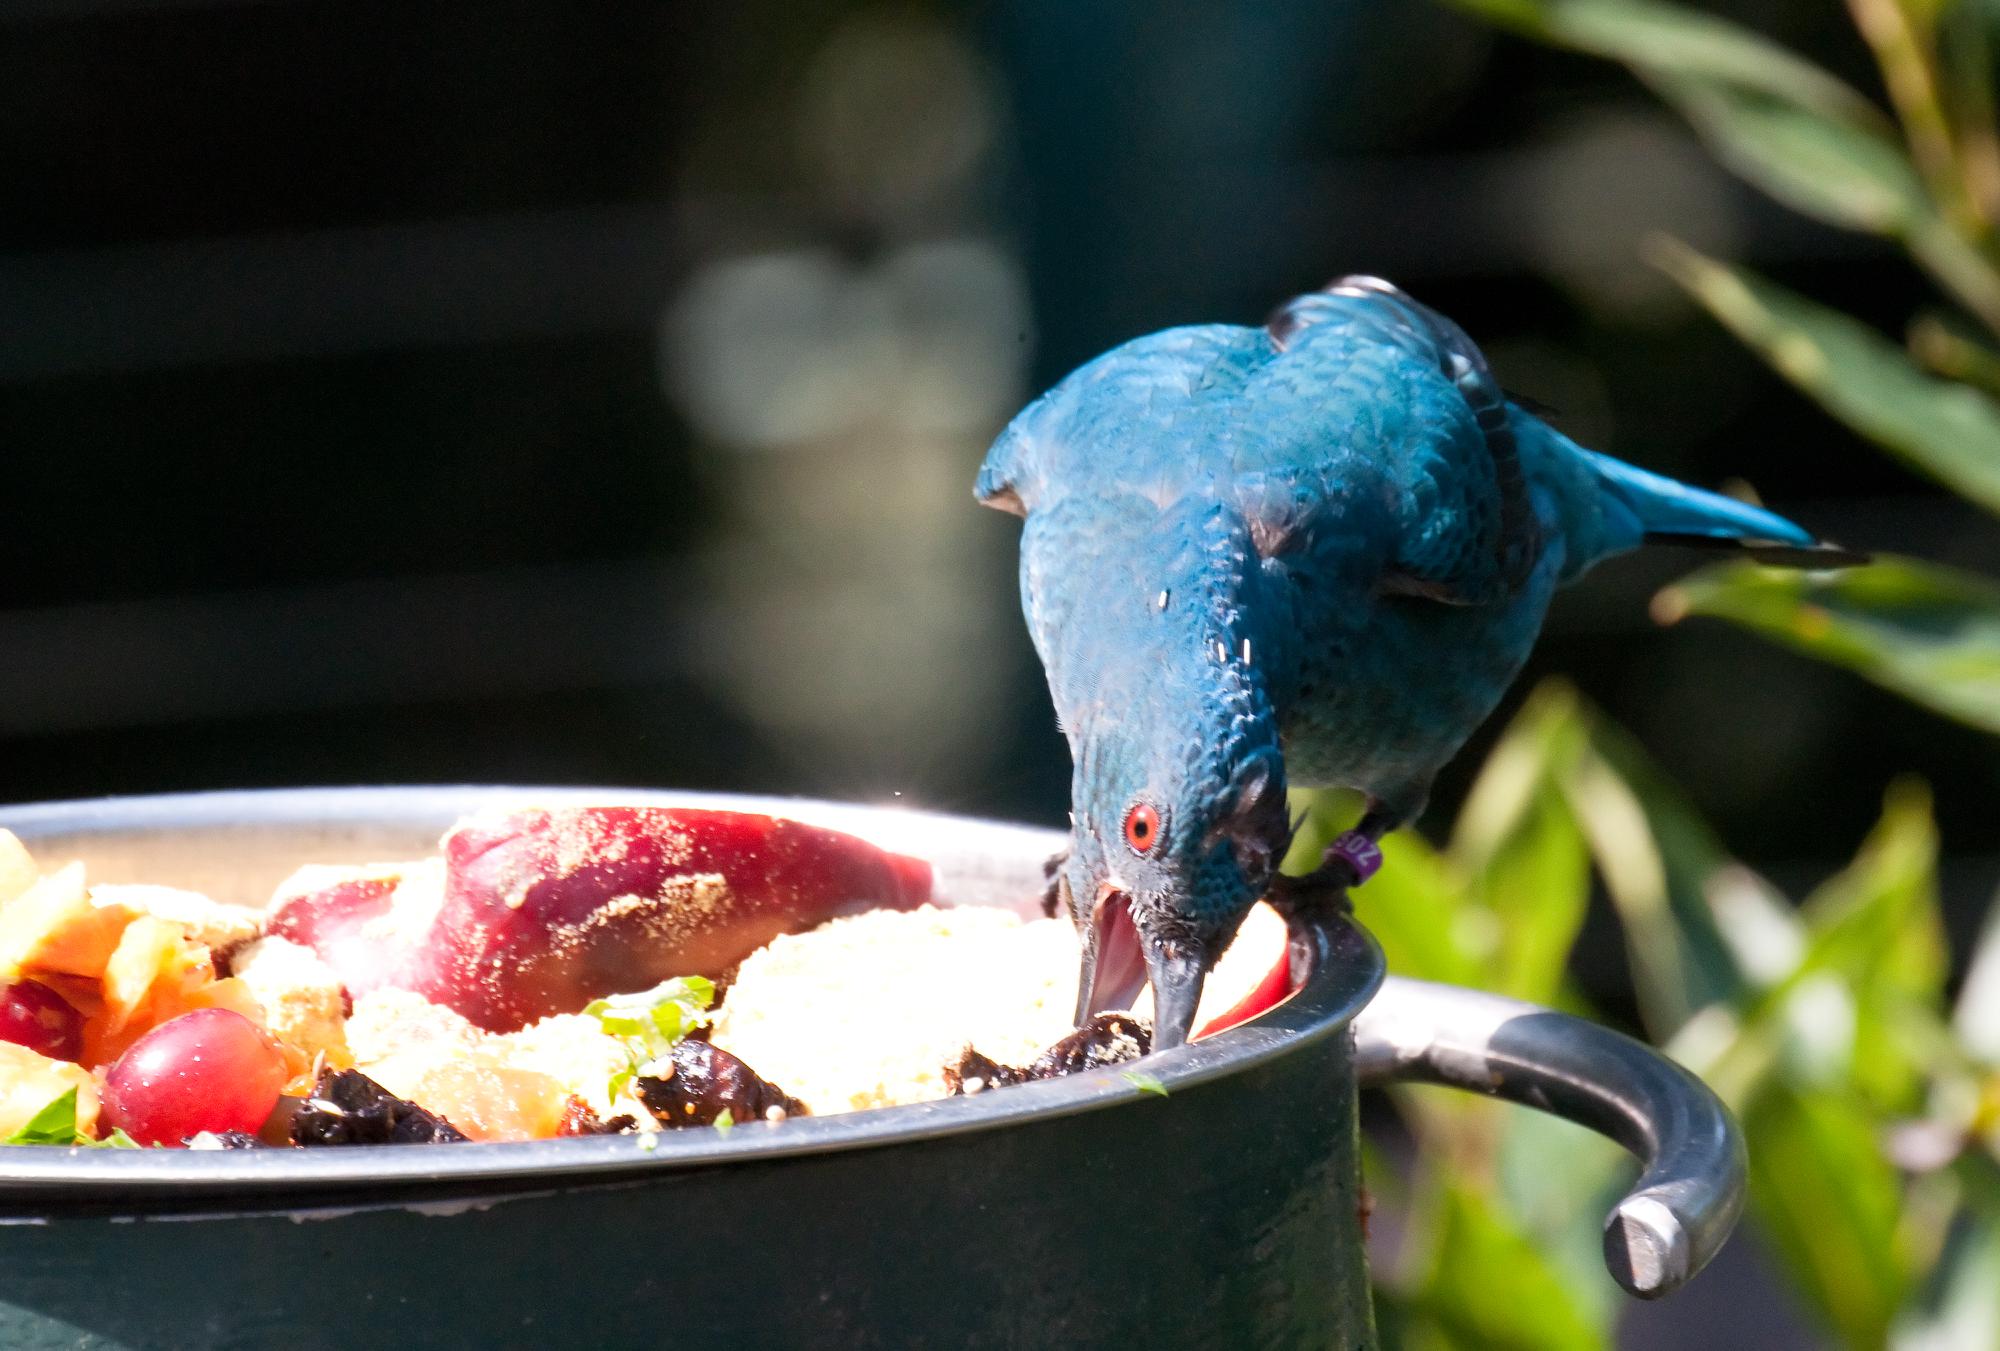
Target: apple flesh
539, 912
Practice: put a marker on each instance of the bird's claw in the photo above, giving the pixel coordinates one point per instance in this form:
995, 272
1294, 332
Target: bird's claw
1321, 891
1052, 868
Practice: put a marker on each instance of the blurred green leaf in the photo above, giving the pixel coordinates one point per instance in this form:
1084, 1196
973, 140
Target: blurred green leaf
1846, 170
1417, 909
1976, 1018
1949, 431
1779, 120
1658, 859
1829, 1201
1959, 1305
1929, 633
1877, 928
1877, 921
1674, 38
1938, 344
1521, 848
1490, 1286
1562, 1209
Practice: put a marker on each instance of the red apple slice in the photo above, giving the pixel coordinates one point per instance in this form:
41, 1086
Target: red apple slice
543, 911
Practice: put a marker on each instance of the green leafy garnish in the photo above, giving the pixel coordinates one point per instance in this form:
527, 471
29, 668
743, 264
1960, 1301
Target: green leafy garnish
1145, 1083
55, 1124
725, 1121
650, 1022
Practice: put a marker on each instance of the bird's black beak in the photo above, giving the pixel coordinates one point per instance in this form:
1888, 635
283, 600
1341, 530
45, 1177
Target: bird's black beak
1177, 978
1114, 970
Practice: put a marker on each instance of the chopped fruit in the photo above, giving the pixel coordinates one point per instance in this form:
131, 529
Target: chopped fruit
349, 1108
371, 925
154, 975
302, 1000
1267, 994
579, 1119
210, 1070
575, 1051
478, 1090
30, 1082
211, 923
52, 926
543, 911
705, 1084
34, 1016
17, 867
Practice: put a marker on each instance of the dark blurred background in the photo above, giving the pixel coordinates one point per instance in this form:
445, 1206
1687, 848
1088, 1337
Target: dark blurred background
592, 393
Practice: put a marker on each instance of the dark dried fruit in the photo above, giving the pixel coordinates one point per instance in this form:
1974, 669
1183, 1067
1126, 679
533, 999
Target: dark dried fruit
349, 1108
1107, 1039
579, 1119
706, 1082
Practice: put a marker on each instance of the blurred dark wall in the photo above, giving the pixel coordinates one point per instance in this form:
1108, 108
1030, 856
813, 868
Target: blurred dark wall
521, 392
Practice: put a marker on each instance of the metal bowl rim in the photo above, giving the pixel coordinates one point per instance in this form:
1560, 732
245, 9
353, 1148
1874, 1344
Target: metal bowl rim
1346, 976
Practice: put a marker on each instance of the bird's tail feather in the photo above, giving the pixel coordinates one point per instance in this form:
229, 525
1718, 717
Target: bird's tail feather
1819, 554
1666, 512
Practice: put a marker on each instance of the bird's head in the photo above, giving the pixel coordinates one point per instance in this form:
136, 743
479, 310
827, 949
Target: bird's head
1179, 826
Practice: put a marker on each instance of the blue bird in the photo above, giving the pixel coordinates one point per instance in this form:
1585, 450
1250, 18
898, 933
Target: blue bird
1315, 553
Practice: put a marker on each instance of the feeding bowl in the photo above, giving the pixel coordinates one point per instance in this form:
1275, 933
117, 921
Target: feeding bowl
1079, 1212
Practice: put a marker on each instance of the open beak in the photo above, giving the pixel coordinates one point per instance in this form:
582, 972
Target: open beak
1118, 962
1114, 969
1177, 980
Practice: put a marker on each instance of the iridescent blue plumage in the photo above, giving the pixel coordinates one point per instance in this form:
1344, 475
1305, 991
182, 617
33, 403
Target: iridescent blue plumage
1315, 552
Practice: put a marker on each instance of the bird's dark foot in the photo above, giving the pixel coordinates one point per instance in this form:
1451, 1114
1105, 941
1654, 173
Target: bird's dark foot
1052, 883
1348, 862
1319, 892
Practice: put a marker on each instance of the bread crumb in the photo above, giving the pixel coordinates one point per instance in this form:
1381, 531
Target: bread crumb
866, 1011
302, 998
218, 925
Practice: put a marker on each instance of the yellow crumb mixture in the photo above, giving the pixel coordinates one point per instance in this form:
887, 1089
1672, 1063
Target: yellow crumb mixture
866, 1011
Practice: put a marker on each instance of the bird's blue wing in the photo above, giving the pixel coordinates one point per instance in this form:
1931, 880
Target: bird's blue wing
1354, 411
1368, 393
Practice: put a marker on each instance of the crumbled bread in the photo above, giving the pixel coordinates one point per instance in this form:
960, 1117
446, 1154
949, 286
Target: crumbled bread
389, 1022
492, 1086
303, 1002
219, 926
866, 1011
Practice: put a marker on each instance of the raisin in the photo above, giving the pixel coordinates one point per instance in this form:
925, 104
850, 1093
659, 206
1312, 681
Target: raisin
1107, 1039
349, 1108
707, 1081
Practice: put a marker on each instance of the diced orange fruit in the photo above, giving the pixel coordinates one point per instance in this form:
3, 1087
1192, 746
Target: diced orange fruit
30, 1082
476, 1091
17, 868
53, 927
154, 974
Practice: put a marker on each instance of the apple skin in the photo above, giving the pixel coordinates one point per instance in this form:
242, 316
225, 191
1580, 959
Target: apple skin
336, 919
546, 910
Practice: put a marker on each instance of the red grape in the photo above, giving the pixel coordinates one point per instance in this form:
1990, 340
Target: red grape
210, 1070
34, 1016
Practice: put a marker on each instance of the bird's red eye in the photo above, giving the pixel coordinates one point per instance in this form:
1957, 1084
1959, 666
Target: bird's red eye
1142, 827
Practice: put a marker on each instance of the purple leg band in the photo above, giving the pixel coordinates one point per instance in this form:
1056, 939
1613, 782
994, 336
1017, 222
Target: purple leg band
1358, 852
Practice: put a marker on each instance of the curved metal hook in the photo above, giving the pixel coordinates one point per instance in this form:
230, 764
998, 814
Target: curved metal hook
1691, 1190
